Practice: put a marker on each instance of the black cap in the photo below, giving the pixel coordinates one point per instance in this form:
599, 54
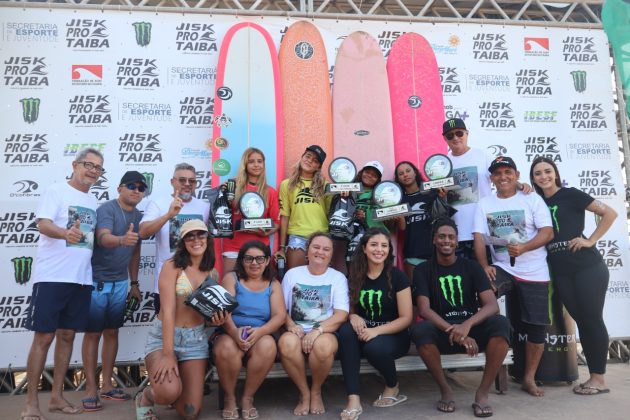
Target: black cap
321, 155
452, 124
133, 176
502, 161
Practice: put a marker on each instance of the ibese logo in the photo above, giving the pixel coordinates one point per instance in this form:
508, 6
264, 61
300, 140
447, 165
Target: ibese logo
136, 73
579, 80
196, 111
89, 111
143, 33
490, 47
597, 183
140, 148
30, 109
149, 177
542, 146
496, 115
26, 149
587, 116
610, 252
18, 229
449, 80
196, 38
532, 82
26, 72
22, 268
579, 49
87, 34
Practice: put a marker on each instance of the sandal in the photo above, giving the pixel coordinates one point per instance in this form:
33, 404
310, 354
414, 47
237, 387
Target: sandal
384, 402
482, 410
91, 404
352, 414
446, 406
230, 414
144, 413
250, 414
115, 394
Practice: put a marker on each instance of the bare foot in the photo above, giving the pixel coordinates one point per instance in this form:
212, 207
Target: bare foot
247, 403
317, 404
532, 389
31, 413
303, 406
63, 406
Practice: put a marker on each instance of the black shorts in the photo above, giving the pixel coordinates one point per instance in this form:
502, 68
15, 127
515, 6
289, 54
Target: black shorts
425, 332
533, 296
57, 305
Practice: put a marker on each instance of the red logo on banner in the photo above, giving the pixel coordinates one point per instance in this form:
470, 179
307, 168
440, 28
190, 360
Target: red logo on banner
536, 44
87, 72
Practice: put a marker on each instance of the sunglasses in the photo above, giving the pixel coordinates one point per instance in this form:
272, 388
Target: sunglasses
140, 188
199, 236
183, 180
260, 259
451, 136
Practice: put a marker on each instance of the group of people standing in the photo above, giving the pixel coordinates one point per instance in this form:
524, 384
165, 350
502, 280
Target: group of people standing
323, 308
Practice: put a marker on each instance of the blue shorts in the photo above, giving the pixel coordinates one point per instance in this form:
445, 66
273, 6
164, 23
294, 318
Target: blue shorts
56, 305
190, 343
297, 242
107, 309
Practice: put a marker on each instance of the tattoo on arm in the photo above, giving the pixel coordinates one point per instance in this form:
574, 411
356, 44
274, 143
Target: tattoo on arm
599, 205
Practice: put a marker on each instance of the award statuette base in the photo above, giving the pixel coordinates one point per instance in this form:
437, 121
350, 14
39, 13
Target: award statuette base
340, 187
438, 183
384, 213
253, 224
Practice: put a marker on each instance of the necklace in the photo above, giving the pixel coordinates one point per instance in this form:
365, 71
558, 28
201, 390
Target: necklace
122, 213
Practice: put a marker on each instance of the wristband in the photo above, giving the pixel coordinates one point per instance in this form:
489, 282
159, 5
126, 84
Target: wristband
134, 283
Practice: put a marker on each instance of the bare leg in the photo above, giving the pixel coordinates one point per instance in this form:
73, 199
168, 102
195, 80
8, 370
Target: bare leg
63, 352
295, 258
164, 393
320, 361
430, 355
228, 358
495, 354
89, 352
35, 367
192, 374
292, 358
228, 264
261, 357
109, 352
533, 354
409, 270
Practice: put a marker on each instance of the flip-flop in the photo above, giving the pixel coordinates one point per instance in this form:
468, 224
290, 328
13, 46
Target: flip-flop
589, 390
144, 413
67, 409
482, 410
115, 394
91, 404
250, 414
392, 401
230, 414
445, 406
352, 414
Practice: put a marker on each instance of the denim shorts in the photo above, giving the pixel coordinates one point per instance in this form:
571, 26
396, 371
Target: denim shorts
297, 242
190, 343
107, 309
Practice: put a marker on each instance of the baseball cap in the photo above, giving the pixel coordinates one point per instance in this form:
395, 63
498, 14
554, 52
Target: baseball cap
452, 124
321, 155
376, 165
191, 226
502, 161
133, 176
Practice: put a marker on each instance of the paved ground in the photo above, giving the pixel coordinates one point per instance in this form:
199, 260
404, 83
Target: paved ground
278, 396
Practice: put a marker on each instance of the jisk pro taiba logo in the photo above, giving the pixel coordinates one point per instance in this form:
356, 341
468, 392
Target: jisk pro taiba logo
490, 47
22, 269
25, 72
89, 111
87, 34
196, 38
579, 49
497, 115
449, 80
533, 82
18, 229
26, 150
137, 73
196, 111
587, 116
140, 148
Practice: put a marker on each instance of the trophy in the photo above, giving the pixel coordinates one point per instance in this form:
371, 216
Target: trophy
387, 196
438, 169
252, 208
342, 171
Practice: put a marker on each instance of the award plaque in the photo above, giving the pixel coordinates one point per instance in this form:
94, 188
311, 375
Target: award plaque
252, 207
438, 169
387, 196
342, 172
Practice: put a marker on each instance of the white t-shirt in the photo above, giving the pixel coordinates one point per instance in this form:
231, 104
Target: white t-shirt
515, 219
57, 260
472, 183
166, 238
311, 298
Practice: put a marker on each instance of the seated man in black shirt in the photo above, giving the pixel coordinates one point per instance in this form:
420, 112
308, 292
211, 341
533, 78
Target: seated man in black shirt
461, 315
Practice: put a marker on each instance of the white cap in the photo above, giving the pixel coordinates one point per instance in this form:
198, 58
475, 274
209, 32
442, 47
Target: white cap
376, 165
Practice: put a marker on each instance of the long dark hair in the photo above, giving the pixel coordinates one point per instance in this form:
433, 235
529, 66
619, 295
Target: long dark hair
433, 264
359, 265
181, 258
419, 179
239, 268
543, 159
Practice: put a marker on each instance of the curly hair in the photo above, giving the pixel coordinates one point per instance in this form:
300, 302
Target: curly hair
239, 268
181, 258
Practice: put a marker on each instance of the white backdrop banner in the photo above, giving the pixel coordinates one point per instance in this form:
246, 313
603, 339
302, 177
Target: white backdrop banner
139, 86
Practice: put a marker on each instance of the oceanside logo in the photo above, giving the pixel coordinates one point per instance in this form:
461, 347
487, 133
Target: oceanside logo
100, 189
25, 188
34, 32
141, 149
450, 81
451, 111
87, 74
542, 146
89, 111
25, 73
488, 83
597, 183
496, 115
26, 150
587, 116
18, 229
71, 149
533, 83
13, 309
386, 39
196, 111
579, 49
497, 150
448, 49
540, 116
192, 153
589, 151
611, 253
490, 47
195, 38
536, 46
145, 111
138, 73
87, 34
202, 189
191, 76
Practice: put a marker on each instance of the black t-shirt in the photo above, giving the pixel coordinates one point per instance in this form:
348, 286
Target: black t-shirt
454, 294
376, 304
568, 207
418, 225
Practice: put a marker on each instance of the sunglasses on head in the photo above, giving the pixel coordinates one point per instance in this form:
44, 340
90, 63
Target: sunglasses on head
451, 135
131, 186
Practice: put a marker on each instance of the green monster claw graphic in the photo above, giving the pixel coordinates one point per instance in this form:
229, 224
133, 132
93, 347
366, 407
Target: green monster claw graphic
30, 109
369, 306
449, 295
554, 210
148, 176
22, 267
579, 80
143, 33
451, 123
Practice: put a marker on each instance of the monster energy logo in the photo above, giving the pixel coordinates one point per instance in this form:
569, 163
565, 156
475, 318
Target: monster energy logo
451, 123
143, 33
368, 306
554, 214
22, 269
447, 284
579, 80
148, 176
30, 109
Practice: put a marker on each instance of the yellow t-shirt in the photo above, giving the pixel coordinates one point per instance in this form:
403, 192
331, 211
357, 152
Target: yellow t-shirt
306, 215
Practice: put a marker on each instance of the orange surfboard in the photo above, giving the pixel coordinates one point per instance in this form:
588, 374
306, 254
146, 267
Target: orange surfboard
305, 94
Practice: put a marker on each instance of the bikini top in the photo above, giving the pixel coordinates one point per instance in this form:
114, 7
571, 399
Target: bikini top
183, 287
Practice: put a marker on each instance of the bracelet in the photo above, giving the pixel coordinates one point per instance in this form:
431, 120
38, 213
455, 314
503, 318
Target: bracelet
134, 283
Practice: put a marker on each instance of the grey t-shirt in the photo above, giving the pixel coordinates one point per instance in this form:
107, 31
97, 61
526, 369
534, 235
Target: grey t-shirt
110, 264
